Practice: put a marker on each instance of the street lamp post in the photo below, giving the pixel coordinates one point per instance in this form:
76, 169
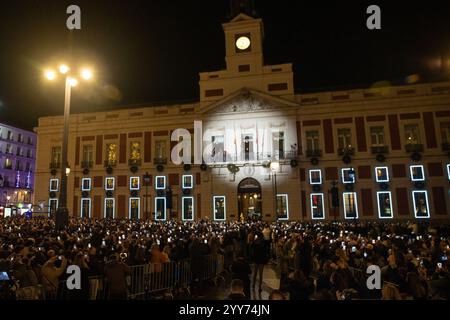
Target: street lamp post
62, 213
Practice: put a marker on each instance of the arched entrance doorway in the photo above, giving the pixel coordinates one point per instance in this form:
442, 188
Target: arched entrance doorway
249, 199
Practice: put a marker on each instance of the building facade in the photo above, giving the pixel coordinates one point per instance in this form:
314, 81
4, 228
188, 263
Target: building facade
17, 166
269, 153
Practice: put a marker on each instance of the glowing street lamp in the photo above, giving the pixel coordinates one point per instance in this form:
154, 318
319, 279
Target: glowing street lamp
70, 81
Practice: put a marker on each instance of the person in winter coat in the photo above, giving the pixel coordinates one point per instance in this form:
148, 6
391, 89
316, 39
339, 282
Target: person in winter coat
51, 273
241, 270
260, 259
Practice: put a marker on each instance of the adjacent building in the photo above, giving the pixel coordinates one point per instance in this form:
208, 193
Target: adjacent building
17, 166
270, 153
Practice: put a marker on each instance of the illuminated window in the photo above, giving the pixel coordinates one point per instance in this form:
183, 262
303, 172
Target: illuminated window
110, 183
160, 149
160, 208
384, 204
56, 155
85, 184
247, 147
88, 153
85, 207
187, 208
348, 175
317, 207
52, 206
420, 201
282, 207
315, 176
188, 181
312, 140
54, 184
278, 145
109, 208
344, 138
134, 183
417, 173
377, 136
8, 164
134, 208
382, 174
412, 134
160, 182
218, 149
220, 209
135, 150
111, 154
350, 205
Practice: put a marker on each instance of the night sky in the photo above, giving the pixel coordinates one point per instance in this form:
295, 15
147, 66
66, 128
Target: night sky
152, 51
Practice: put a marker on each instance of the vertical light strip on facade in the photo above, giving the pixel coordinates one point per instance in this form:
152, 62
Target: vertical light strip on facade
315, 176
160, 208
187, 181
420, 202
135, 183
113, 207
346, 176
384, 202
160, 182
86, 184
110, 183
317, 206
448, 171
223, 216
185, 202
82, 213
138, 202
52, 201
350, 205
285, 216
54, 185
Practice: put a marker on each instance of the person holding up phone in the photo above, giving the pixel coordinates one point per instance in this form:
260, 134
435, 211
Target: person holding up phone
51, 273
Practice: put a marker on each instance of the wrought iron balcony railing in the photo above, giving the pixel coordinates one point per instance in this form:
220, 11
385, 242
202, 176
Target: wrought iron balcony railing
380, 149
134, 162
346, 151
160, 160
413, 147
87, 164
313, 153
109, 163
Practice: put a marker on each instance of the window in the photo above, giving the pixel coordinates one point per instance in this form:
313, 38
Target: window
160, 149
52, 206
218, 149
377, 136
384, 204
19, 151
18, 167
135, 150
30, 141
315, 176
247, 147
29, 153
10, 135
312, 140
381, 174
86, 184
8, 163
20, 138
8, 149
160, 209
109, 208
56, 155
54, 184
420, 201
220, 209
445, 132
350, 205
188, 181
109, 183
282, 207
187, 207
88, 153
344, 138
160, 182
317, 207
85, 207
412, 134
348, 175
111, 153
278, 145
134, 183
417, 173
27, 167
134, 208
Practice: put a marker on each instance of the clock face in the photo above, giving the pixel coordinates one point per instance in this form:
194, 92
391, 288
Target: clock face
242, 43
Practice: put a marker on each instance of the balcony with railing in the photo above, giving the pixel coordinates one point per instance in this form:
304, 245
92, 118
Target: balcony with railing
160, 160
379, 149
109, 163
54, 165
86, 164
134, 162
313, 153
413, 147
350, 151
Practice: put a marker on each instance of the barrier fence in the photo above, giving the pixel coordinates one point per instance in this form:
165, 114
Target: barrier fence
143, 282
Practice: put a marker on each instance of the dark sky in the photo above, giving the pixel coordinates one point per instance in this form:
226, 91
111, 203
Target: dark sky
152, 51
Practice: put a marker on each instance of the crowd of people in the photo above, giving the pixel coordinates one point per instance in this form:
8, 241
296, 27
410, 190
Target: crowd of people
324, 261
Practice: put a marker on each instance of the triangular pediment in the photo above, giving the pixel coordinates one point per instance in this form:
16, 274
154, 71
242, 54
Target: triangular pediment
248, 100
242, 17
